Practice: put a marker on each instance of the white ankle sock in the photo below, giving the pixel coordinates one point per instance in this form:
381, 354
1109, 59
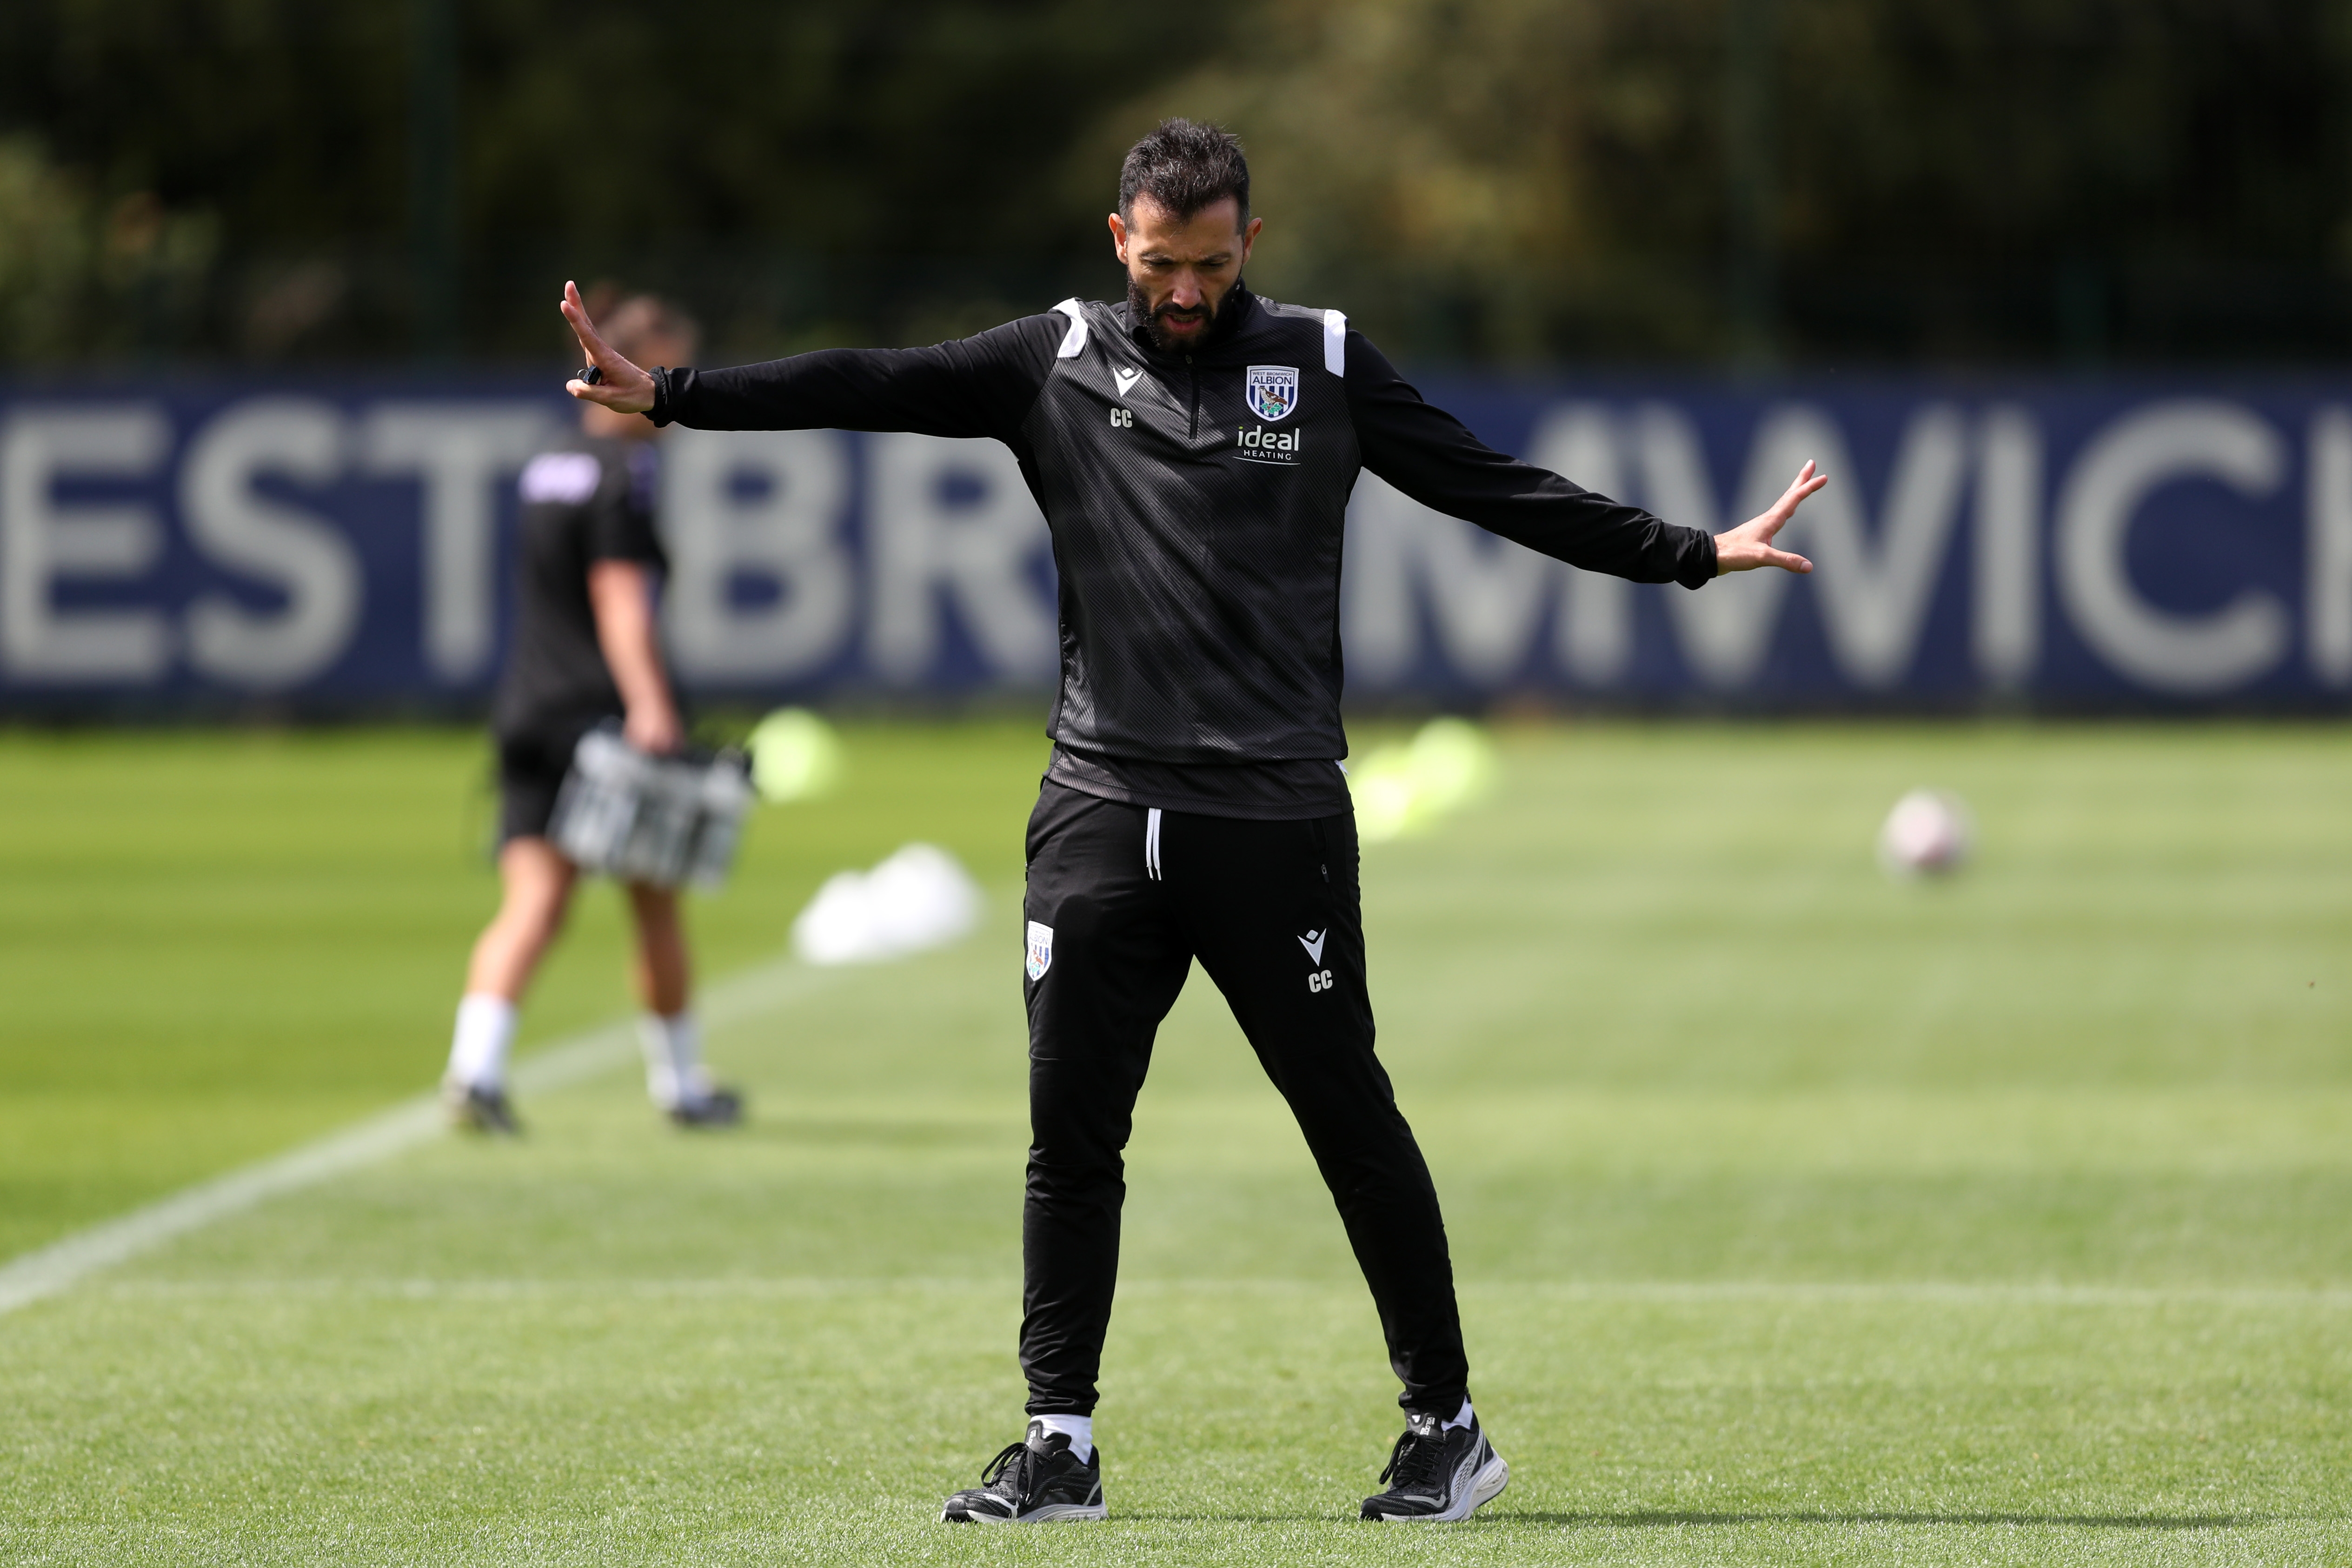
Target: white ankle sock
1462, 1417
485, 1034
1079, 1429
673, 1049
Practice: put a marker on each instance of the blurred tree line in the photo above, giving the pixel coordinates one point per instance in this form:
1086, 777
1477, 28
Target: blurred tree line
1752, 182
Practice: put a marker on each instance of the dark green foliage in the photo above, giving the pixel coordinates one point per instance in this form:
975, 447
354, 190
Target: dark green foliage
723, 149
2076, 180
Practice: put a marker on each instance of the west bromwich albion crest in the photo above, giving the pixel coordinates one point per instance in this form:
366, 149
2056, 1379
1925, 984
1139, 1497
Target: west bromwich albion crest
1272, 390
1041, 949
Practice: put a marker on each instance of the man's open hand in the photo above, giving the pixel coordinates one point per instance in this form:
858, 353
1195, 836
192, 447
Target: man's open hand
625, 387
1749, 546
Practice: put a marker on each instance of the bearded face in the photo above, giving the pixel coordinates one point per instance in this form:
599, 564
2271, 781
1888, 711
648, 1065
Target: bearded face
1172, 330
1181, 270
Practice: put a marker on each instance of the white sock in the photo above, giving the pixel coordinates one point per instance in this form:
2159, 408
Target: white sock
673, 1048
478, 1047
1079, 1429
1462, 1417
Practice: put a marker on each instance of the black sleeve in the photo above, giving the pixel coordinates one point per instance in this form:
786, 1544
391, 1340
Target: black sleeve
981, 385
1427, 453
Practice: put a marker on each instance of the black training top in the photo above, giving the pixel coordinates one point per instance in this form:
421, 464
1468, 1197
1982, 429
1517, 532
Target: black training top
1198, 503
586, 500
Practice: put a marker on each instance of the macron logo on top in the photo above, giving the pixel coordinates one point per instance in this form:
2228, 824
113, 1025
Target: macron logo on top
1126, 378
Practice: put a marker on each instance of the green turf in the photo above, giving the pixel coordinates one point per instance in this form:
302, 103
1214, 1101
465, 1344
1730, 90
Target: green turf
1800, 1217
213, 945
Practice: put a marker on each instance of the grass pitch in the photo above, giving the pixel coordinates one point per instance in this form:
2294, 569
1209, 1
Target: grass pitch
1799, 1218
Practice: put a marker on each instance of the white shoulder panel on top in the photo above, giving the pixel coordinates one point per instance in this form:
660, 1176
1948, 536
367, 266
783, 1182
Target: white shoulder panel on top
568, 479
1075, 338
1335, 341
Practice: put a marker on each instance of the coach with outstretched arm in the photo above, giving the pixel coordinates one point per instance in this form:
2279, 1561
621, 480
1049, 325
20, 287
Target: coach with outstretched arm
1193, 447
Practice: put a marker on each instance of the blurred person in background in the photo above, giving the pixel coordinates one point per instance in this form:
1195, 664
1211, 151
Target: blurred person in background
585, 652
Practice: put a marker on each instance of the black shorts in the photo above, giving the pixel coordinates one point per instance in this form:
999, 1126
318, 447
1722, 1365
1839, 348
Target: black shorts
531, 766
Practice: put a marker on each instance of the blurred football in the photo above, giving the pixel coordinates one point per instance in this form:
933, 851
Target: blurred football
1926, 835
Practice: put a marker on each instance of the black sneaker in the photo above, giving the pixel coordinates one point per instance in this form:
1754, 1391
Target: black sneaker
474, 1109
1440, 1473
1030, 1482
718, 1108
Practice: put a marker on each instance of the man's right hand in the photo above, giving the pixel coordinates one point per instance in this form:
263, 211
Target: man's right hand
625, 387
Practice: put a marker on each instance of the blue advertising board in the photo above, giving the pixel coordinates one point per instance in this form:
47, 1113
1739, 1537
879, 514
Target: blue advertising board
345, 543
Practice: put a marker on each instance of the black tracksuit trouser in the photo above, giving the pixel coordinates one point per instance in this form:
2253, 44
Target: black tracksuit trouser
1120, 900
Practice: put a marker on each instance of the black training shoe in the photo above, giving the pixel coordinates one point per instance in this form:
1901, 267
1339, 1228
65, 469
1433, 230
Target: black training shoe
1440, 1473
1030, 1482
474, 1108
716, 1107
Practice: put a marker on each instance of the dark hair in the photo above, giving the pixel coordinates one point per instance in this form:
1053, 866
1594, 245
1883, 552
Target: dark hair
1186, 166
628, 324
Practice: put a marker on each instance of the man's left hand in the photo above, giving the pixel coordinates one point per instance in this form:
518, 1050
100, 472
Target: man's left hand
1749, 546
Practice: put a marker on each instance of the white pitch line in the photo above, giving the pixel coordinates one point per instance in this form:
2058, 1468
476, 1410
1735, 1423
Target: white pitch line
61, 1264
